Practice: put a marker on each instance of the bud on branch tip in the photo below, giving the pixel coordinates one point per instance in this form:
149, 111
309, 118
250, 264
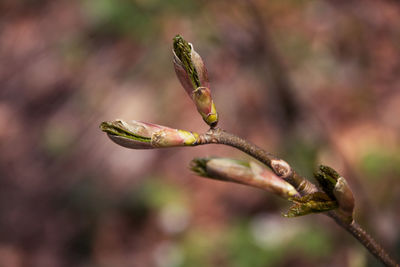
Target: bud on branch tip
193, 76
142, 135
183, 57
337, 189
243, 172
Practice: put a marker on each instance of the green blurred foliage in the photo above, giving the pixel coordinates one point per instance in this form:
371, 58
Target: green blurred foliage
158, 192
236, 245
378, 163
57, 140
243, 250
200, 246
139, 19
301, 154
313, 242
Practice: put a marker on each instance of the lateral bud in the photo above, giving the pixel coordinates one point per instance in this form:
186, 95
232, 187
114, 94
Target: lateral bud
243, 172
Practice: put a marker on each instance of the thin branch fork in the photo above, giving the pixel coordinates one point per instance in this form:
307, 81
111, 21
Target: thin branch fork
335, 198
278, 166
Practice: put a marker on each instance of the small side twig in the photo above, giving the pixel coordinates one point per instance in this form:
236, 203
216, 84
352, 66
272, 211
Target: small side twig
278, 166
303, 186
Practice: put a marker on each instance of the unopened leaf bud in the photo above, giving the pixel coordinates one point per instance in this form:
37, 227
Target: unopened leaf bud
142, 135
243, 172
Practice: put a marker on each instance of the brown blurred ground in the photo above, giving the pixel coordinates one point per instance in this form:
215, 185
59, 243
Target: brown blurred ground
311, 81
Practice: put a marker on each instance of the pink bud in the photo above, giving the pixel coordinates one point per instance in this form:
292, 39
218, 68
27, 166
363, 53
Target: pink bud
142, 135
241, 172
192, 74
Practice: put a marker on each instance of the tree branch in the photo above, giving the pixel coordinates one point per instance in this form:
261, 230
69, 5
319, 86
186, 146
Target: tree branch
364, 238
302, 185
334, 198
277, 165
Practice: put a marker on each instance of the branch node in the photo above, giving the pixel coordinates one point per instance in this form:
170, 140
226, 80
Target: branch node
281, 168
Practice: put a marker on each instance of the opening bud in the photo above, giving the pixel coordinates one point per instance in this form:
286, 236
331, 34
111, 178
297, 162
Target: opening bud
192, 74
142, 135
337, 189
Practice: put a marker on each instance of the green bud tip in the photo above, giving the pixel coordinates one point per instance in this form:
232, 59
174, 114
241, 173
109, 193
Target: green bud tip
117, 128
329, 171
142, 135
199, 166
327, 179
183, 50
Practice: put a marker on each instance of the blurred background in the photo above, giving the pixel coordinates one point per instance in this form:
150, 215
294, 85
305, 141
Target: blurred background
311, 81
